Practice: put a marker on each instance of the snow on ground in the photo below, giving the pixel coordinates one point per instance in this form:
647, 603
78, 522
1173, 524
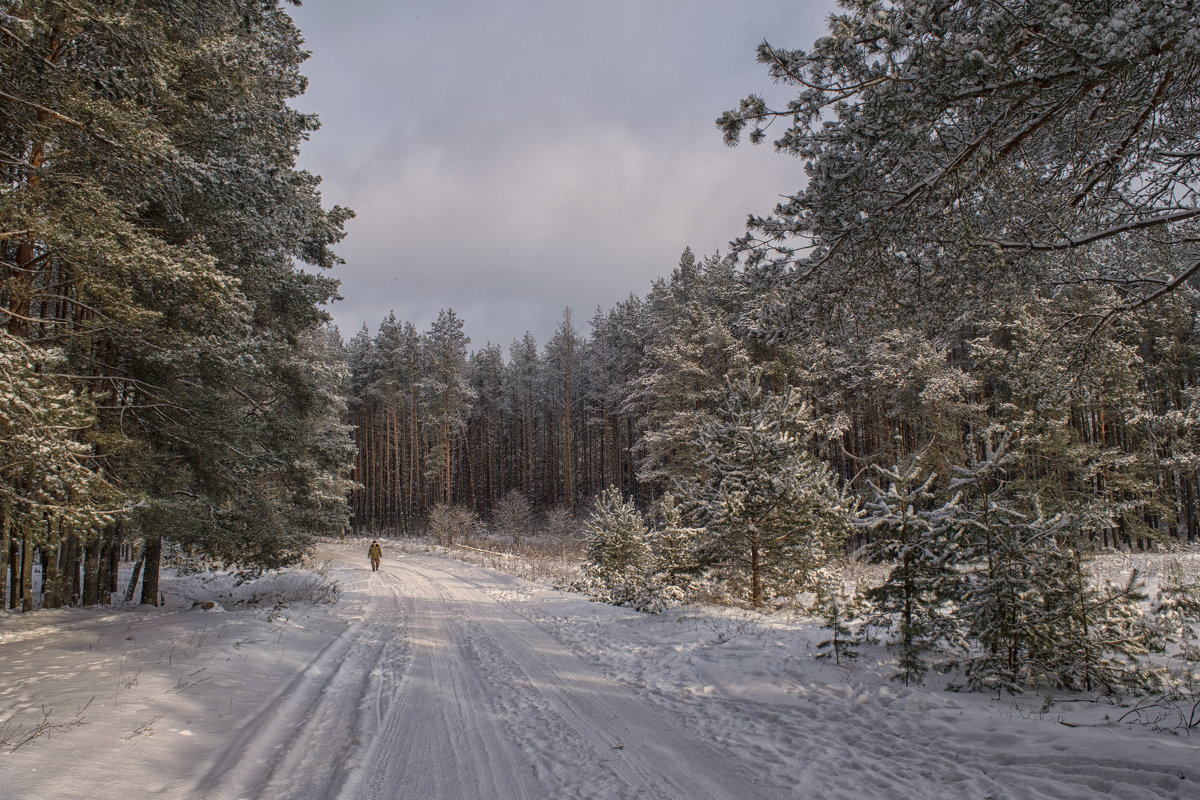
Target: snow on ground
438, 679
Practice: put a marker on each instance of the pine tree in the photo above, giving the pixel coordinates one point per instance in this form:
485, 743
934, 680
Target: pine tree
1176, 611
920, 541
771, 511
564, 356
839, 616
1046, 129
159, 239
618, 550
674, 546
1031, 613
690, 354
447, 396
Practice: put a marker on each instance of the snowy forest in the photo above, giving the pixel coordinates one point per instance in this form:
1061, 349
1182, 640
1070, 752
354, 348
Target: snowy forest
967, 347
165, 365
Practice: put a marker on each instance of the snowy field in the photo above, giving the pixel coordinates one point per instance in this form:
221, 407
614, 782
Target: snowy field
441, 680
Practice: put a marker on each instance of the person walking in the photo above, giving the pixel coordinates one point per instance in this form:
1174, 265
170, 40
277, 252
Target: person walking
375, 553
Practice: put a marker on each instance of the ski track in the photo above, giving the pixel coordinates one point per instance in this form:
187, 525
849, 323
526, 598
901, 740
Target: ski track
440, 690
306, 739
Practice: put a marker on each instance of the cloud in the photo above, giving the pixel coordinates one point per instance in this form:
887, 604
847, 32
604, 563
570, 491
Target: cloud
536, 225
510, 159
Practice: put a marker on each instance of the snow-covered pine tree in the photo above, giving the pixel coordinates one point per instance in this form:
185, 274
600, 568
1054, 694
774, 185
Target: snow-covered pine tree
1046, 127
447, 397
1008, 555
563, 364
1030, 613
674, 545
771, 511
920, 542
486, 449
840, 616
618, 563
166, 249
46, 483
522, 394
1176, 612
690, 353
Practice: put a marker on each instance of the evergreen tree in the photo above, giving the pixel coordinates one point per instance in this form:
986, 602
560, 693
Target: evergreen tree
618, 550
1031, 613
447, 395
690, 354
563, 363
771, 512
158, 238
979, 150
1176, 612
920, 542
838, 618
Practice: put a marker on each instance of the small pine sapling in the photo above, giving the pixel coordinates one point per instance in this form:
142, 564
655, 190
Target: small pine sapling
619, 558
918, 540
841, 619
1176, 614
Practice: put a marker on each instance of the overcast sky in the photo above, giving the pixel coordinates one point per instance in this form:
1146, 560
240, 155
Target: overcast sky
511, 158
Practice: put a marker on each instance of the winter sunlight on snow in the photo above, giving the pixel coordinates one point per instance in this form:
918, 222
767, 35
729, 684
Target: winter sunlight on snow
866, 467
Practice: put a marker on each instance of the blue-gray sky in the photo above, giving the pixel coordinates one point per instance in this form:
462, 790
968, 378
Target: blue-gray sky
508, 159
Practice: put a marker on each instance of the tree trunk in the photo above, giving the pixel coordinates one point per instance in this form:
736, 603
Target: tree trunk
26, 572
14, 590
50, 576
114, 559
137, 573
68, 577
5, 584
153, 556
755, 577
91, 572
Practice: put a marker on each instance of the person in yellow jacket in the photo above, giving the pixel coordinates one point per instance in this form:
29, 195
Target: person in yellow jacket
375, 553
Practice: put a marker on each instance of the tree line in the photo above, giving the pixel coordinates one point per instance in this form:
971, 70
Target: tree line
1105, 423
165, 365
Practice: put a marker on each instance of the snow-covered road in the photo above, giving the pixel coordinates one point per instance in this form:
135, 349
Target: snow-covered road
438, 680
489, 705
452, 694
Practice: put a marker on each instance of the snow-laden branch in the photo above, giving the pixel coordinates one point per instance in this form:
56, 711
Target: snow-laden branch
1071, 242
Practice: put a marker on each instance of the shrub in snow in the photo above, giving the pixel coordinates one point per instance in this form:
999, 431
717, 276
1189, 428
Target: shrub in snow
558, 523
451, 524
513, 516
1176, 614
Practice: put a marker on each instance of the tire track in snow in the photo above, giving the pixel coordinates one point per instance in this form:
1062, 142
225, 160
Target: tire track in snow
494, 707
438, 741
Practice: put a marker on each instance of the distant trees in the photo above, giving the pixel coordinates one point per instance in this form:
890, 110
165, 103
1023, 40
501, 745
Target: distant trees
558, 423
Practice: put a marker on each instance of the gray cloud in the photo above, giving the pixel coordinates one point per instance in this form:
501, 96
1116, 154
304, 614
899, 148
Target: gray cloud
508, 159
